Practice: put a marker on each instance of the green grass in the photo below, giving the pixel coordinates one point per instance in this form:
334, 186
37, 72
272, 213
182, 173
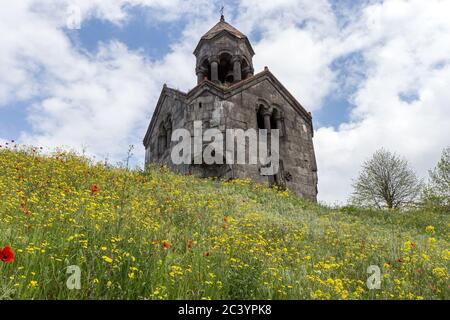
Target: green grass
227, 240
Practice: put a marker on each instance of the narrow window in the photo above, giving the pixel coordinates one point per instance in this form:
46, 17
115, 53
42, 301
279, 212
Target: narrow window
273, 121
260, 117
225, 67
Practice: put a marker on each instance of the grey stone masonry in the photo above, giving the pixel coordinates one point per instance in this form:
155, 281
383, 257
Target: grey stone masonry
229, 95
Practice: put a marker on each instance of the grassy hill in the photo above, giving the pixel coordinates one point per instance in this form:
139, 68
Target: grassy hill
157, 235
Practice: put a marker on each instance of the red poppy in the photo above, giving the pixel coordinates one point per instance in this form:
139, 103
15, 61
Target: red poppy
189, 243
6, 255
24, 208
94, 188
166, 244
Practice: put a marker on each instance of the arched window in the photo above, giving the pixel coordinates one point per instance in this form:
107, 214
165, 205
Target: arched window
274, 124
260, 117
225, 68
206, 67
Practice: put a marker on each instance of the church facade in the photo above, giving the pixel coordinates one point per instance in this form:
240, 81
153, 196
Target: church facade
229, 95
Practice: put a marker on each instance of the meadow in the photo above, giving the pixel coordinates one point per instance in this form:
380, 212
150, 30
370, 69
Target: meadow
156, 235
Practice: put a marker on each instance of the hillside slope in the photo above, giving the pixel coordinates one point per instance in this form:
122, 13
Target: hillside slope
157, 235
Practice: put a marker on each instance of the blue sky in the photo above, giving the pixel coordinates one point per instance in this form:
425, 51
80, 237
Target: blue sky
138, 33
371, 72
153, 40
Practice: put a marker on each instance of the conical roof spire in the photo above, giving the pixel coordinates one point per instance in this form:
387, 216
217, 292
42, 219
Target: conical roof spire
221, 26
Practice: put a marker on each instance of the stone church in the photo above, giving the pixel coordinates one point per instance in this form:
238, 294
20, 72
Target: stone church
229, 95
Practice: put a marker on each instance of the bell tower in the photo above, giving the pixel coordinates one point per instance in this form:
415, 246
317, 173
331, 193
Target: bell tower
224, 55
231, 97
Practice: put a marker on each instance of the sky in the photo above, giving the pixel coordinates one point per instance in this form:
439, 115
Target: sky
86, 74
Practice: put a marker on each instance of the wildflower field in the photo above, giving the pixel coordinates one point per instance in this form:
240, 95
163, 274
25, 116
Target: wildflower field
158, 235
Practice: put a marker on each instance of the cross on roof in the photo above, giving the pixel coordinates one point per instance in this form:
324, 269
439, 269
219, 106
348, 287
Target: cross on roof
222, 18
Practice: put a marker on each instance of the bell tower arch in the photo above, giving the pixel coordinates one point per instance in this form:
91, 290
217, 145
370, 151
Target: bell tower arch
224, 55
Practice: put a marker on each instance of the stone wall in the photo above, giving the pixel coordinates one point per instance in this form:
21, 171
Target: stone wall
296, 146
240, 112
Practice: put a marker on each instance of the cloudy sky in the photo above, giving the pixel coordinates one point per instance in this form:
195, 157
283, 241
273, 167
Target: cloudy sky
373, 73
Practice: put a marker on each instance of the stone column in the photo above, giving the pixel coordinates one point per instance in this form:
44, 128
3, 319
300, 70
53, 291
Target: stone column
215, 71
237, 72
200, 77
279, 123
201, 74
267, 114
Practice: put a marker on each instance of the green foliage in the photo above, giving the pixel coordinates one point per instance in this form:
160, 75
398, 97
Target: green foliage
158, 235
437, 192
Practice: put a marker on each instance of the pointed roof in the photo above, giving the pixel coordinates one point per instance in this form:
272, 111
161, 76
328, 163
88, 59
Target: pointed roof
221, 26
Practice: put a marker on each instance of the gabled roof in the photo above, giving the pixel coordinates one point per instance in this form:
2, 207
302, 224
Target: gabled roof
227, 92
165, 92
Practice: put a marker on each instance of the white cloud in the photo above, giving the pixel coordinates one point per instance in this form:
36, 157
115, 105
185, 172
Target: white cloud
100, 106
405, 46
298, 41
104, 100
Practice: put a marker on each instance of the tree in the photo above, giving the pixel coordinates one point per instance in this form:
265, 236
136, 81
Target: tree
386, 181
437, 192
